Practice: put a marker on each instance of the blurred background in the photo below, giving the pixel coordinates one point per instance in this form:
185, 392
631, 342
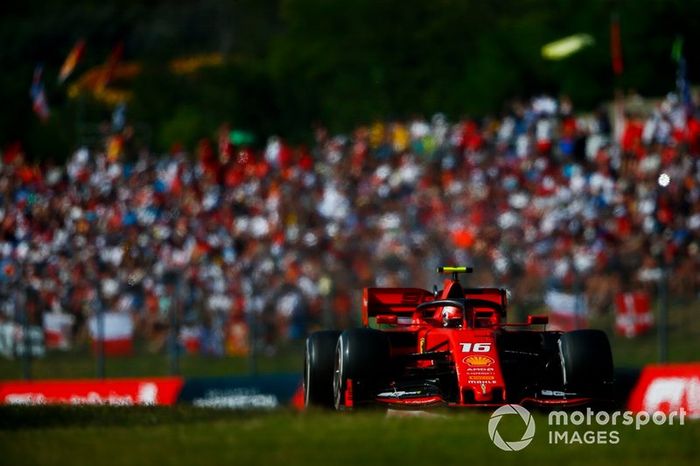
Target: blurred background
192, 187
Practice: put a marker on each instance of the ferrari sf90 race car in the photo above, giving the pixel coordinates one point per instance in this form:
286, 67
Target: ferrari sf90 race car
453, 347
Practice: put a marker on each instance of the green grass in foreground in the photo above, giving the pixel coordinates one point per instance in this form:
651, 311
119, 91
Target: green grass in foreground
183, 435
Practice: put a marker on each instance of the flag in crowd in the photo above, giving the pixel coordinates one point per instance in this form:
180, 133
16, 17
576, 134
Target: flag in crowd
190, 339
562, 48
38, 94
616, 46
110, 66
567, 311
117, 333
682, 84
57, 330
71, 61
633, 315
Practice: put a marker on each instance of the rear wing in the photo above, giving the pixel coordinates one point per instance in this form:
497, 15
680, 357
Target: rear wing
402, 302
497, 296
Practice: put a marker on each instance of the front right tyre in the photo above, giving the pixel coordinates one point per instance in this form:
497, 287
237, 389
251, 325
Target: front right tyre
361, 364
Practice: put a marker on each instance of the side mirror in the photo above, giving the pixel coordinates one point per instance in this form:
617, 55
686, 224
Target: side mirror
538, 319
391, 319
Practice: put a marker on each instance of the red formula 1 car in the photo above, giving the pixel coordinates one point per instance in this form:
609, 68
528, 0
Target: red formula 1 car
453, 347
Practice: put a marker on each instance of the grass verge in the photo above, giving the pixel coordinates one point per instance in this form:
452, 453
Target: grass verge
185, 435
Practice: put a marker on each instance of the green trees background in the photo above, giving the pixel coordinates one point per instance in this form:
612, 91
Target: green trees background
292, 63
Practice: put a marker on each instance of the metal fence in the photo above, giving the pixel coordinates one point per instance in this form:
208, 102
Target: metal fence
61, 344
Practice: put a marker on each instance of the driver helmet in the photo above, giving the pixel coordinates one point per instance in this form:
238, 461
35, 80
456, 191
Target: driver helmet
451, 316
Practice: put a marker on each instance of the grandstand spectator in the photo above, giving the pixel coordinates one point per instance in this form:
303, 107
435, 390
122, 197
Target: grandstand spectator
283, 238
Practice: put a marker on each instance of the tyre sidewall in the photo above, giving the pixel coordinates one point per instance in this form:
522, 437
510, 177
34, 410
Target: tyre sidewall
586, 360
318, 368
362, 355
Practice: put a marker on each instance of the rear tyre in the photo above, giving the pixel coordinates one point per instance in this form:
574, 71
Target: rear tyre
586, 361
318, 368
361, 364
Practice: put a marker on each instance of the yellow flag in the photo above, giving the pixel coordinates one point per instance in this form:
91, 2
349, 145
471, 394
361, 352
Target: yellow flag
562, 48
72, 60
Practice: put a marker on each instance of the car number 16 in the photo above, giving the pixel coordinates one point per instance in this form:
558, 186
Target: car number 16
476, 347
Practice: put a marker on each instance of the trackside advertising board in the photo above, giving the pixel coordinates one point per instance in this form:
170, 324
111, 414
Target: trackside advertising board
246, 392
266, 391
663, 388
667, 388
116, 392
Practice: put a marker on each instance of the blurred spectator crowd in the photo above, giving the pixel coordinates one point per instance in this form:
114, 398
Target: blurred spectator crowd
227, 240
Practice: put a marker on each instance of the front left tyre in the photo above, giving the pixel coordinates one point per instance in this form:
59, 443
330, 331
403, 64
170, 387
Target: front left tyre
319, 361
586, 362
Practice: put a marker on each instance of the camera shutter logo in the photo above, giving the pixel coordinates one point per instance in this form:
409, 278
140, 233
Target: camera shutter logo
529, 429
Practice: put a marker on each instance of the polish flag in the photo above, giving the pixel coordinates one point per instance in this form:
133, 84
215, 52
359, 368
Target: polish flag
118, 333
57, 330
190, 338
566, 311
